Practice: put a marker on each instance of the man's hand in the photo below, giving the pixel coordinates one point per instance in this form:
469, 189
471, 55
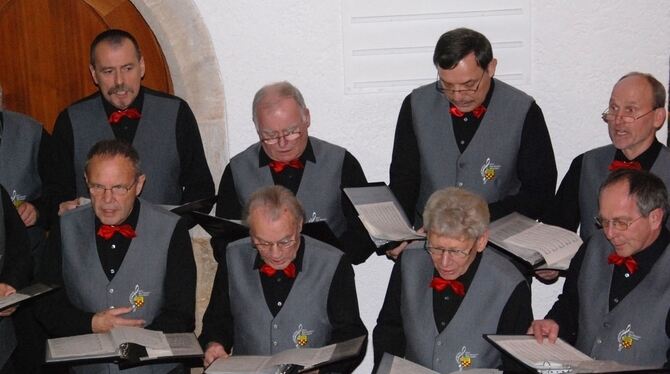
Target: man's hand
214, 350
28, 213
395, 252
544, 328
6, 290
103, 321
67, 205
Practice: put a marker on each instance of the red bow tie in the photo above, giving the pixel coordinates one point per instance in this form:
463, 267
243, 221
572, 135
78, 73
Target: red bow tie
617, 260
279, 166
107, 231
439, 284
269, 271
477, 112
616, 165
131, 113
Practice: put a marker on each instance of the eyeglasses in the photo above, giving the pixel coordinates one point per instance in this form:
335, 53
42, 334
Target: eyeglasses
118, 190
289, 134
281, 244
454, 253
617, 223
468, 90
630, 117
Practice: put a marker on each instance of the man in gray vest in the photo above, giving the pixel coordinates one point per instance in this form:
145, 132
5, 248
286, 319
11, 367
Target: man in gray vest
160, 126
616, 296
15, 273
279, 290
314, 170
473, 131
442, 298
636, 111
122, 260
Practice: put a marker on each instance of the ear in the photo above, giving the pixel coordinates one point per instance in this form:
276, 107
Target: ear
142, 67
659, 117
656, 218
482, 241
300, 225
140, 184
91, 68
491, 69
307, 117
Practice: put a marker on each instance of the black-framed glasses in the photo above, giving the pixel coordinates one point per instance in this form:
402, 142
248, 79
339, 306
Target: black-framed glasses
467, 90
454, 253
289, 134
617, 223
118, 190
609, 116
281, 244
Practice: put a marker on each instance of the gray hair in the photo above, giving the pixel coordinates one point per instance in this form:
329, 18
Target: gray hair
275, 200
657, 89
648, 189
456, 213
280, 90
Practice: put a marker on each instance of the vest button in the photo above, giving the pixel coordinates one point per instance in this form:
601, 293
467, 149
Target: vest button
275, 326
437, 360
599, 341
274, 343
460, 184
606, 325
439, 343
111, 290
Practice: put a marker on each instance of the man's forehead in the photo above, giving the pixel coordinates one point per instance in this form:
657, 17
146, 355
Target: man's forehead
632, 90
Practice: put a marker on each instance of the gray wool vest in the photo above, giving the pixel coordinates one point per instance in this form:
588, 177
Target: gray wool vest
7, 337
303, 315
492, 286
595, 170
488, 165
634, 331
138, 282
319, 191
19, 150
155, 141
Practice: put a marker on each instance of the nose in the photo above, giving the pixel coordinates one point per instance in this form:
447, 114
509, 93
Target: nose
609, 231
282, 141
107, 196
118, 78
445, 260
275, 251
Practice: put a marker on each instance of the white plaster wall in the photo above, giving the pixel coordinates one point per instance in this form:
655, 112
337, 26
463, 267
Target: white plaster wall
579, 49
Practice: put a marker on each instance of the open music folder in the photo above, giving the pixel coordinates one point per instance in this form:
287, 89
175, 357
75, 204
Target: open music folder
297, 360
24, 294
542, 246
122, 343
561, 357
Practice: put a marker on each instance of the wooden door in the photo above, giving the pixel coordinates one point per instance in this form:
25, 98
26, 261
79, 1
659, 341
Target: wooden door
44, 51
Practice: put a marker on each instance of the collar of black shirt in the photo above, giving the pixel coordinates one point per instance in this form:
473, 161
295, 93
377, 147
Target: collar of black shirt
646, 158
131, 220
297, 260
648, 257
469, 275
137, 103
307, 155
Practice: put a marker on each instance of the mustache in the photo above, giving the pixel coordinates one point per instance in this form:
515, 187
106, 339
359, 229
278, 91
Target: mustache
119, 87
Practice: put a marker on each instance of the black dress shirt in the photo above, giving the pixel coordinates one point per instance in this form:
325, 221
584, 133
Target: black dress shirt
195, 177
17, 268
536, 166
61, 318
564, 210
389, 336
566, 309
355, 241
342, 304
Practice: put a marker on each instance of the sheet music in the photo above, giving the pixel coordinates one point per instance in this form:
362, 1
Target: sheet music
384, 220
554, 243
24, 294
241, 364
395, 365
82, 345
6, 301
184, 344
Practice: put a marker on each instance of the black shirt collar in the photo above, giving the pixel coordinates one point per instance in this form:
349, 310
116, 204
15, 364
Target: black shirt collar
297, 261
646, 158
131, 220
137, 103
307, 155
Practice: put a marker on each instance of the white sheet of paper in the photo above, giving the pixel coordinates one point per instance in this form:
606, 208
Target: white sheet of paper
241, 364
6, 301
384, 220
554, 243
82, 345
